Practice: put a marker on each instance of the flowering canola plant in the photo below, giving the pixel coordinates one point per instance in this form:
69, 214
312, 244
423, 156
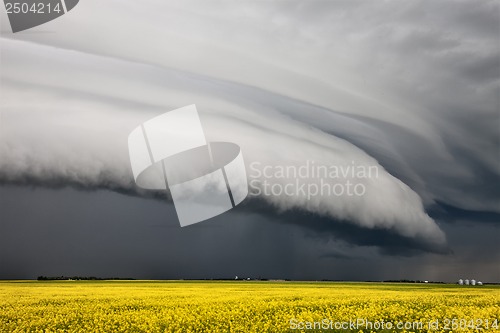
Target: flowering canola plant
245, 306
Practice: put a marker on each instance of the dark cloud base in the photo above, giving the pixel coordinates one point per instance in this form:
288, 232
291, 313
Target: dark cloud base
387, 241
105, 234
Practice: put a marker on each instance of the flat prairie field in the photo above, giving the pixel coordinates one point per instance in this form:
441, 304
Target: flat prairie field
245, 306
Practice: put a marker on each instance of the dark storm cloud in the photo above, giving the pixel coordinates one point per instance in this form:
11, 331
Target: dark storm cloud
409, 86
104, 234
94, 153
322, 229
452, 215
339, 255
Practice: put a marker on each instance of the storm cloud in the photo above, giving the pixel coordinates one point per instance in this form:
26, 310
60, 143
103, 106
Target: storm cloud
410, 88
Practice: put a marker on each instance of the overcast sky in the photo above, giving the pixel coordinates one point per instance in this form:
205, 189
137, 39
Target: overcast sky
410, 88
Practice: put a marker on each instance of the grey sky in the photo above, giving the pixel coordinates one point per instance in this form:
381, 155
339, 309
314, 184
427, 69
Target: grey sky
411, 87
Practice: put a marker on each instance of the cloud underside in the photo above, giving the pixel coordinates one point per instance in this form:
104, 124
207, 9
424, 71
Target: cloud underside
286, 93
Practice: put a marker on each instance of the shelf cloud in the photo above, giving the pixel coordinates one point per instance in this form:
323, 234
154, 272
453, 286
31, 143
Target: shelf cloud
412, 96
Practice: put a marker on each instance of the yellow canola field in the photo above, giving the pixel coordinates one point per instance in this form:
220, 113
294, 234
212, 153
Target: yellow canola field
245, 306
